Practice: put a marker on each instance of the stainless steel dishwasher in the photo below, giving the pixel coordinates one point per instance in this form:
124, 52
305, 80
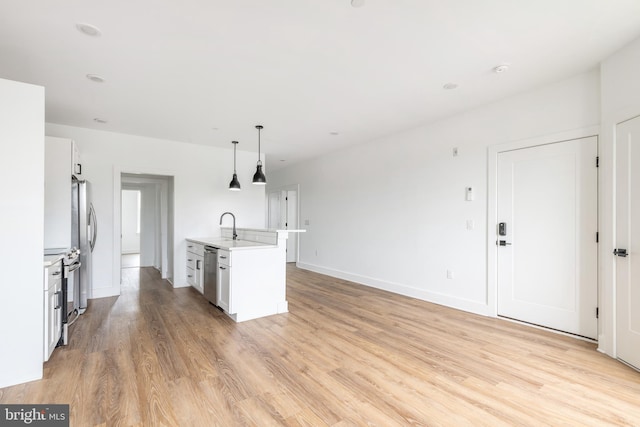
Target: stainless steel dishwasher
210, 286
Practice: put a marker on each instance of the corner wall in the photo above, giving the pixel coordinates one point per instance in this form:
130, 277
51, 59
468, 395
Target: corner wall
620, 102
21, 231
392, 214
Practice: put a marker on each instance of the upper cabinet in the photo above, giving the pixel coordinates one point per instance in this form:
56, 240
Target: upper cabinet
61, 161
76, 164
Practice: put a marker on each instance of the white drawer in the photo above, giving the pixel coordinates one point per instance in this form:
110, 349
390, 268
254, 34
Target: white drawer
224, 257
191, 276
196, 248
191, 260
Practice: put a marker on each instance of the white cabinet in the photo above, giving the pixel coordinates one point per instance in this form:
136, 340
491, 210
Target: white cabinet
62, 160
195, 265
225, 300
52, 307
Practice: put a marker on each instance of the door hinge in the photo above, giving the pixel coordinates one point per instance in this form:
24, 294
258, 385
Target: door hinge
597, 237
597, 312
598, 161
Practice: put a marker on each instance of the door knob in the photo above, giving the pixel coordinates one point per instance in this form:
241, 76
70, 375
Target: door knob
620, 252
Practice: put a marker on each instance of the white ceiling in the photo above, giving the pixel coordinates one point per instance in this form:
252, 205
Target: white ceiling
302, 68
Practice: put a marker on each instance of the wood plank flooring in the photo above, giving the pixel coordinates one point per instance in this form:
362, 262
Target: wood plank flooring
344, 355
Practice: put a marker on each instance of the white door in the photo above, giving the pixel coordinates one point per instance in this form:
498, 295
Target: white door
628, 238
547, 255
291, 223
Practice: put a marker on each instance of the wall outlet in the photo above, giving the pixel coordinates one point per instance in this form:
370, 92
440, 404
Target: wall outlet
450, 274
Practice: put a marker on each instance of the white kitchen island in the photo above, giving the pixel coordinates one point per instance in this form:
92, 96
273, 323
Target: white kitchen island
251, 272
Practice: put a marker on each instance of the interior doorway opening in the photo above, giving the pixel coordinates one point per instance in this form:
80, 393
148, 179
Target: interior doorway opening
282, 214
146, 222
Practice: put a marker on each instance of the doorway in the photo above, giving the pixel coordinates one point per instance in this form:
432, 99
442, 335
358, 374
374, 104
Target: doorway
627, 237
282, 214
546, 235
130, 223
146, 222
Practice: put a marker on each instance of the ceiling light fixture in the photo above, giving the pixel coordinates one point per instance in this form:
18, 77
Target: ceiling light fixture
501, 68
357, 3
234, 185
258, 177
95, 78
89, 30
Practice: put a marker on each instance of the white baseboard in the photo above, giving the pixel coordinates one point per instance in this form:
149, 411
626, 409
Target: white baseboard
105, 292
433, 297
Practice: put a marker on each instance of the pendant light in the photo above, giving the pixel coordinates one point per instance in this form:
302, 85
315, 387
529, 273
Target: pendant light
258, 177
234, 185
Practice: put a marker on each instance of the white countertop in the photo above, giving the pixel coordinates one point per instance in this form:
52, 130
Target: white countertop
229, 244
49, 260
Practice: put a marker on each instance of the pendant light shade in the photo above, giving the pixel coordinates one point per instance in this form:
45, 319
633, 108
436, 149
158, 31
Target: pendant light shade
234, 185
258, 177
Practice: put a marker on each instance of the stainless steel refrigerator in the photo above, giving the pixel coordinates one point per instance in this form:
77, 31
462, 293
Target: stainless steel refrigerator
84, 231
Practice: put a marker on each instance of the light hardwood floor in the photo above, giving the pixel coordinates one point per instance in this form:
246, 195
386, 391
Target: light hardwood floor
344, 355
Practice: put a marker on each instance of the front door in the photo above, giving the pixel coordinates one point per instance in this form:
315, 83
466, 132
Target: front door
547, 250
627, 240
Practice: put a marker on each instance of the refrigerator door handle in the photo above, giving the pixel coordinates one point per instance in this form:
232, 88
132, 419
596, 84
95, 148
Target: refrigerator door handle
93, 224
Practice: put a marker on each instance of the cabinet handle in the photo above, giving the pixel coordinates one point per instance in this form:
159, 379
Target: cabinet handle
57, 273
189, 275
198, 264
58, 300
189, 259
189, 246
222, 268
223, 257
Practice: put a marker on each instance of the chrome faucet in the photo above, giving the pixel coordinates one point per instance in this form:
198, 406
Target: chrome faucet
235, 235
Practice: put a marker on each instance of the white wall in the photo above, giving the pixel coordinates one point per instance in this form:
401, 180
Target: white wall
201, 178
149, 226
620, 101
130, 212
22, 231
392, 214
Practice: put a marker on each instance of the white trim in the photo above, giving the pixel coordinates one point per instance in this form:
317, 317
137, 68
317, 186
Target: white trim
471, 306
118, 170
492, 198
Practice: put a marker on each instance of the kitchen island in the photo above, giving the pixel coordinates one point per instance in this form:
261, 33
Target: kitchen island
250, 271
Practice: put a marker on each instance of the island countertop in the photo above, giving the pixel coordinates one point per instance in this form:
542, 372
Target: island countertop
230, 244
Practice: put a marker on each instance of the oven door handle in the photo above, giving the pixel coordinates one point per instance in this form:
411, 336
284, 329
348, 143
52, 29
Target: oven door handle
73, 267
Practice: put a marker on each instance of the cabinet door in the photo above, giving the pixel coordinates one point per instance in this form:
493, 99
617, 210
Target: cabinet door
224, 288
76, 163
53, 319
199, 273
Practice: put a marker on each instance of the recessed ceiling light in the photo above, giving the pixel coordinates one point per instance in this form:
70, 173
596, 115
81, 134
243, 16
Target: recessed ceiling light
501, 68
334, 133
450, 86
89, 30
99, 120
95, 78
357, 3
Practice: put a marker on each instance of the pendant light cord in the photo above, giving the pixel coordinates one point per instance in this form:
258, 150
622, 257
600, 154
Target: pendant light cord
259, 129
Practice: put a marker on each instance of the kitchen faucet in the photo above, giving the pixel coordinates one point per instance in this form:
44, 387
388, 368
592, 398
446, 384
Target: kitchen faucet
235, 235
